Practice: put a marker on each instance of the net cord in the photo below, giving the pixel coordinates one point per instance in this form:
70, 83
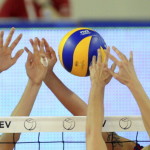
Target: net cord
68, 124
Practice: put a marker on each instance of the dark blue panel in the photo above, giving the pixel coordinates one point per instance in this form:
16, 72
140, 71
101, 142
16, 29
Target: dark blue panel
70, 45
38, 24
65, 24
95, 44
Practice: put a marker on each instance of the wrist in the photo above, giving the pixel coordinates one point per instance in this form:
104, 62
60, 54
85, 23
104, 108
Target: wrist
97, 84
134, 84
35, 84
49, 75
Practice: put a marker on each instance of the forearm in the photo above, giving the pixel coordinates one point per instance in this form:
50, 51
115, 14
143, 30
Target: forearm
95, 112
143, 102
8, 137
23, 108
69, 99
95, 117
27, 100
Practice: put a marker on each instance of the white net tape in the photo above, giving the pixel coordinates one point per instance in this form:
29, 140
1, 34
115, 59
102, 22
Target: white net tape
67, 124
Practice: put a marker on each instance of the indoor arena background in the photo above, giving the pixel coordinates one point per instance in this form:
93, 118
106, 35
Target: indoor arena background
125, 25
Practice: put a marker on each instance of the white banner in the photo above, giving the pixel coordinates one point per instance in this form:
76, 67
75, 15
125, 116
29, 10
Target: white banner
67, 124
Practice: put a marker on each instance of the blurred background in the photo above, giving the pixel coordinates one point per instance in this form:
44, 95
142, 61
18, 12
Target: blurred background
125, 24
79, 10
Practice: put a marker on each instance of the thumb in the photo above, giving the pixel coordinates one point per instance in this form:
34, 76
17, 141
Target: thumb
18, 54
113, 67
30, 55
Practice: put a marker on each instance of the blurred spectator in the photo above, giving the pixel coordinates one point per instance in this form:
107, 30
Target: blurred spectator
35, 9
62, 6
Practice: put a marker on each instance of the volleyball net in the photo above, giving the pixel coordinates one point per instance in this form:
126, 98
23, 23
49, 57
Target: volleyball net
65, 133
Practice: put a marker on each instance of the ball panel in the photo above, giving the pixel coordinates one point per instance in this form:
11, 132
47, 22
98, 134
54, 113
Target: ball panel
80, 57
70, 45
95, 44
63, 41
103, 54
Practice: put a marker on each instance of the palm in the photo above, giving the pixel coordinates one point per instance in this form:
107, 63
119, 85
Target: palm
36, 74
99, 70
5, 60
36, 71
106, 77
126, 68
126, 73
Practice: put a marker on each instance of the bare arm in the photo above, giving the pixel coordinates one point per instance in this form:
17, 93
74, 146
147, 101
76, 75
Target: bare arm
143, 102
36, 73
128, 77
95, 117
23, 108
6, 61
68, 98
95, 113
27, 100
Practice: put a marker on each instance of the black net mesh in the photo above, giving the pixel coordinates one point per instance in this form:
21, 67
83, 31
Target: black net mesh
76, 140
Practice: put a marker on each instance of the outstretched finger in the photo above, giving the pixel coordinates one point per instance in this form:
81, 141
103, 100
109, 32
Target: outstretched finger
38, 41
46, 45
113, 73
35, 45
113, 67
8, 40
120, 55
27, 50
18, 54
1, 39
131, 57
99, 57
94, 61
31, 42
114, 59
30, 55
15, 42
50, 52
42, 46
106, 55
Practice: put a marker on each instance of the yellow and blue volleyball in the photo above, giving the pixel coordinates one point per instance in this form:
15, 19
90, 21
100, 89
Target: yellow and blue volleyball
77, 48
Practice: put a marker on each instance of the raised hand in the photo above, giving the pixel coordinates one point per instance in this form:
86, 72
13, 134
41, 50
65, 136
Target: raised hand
6, 60
99, 70
37, 62
126, 74
50, 53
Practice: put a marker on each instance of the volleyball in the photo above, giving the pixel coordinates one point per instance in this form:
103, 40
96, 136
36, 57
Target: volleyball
77, 48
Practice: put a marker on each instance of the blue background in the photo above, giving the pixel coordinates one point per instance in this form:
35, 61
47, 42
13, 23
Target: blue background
118, 99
